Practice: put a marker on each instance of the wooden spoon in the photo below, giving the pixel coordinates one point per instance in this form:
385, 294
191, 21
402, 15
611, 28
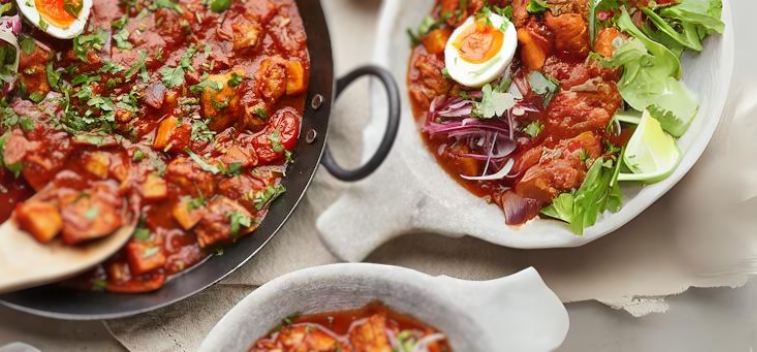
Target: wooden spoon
25, 263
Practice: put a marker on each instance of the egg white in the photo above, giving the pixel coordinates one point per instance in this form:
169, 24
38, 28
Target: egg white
477, 75
29, 9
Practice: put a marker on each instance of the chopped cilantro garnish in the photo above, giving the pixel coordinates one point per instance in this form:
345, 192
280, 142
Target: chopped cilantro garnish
268, 195
275, 139
219, 6
122, 39
235, 80
238, 221
534, 129
202, 163
168, 4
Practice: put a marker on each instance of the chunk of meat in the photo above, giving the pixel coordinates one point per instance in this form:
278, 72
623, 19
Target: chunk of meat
189, 178
573, 112
580, 7
245, 33
17, 147
571, 33
560, 169
463, 166
427, 81
520, 13
371, 335
569, 74
40, 219
242, 156
220, 101
271, 79
605, 43
155, 95
42, 164
216, 224
32, 72
301, 338
459, 15
90, 214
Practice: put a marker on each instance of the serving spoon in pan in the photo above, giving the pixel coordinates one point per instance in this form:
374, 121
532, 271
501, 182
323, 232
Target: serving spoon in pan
25, 262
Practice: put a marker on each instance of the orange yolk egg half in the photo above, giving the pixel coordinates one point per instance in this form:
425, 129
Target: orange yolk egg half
480, 43
60, 13
480, 50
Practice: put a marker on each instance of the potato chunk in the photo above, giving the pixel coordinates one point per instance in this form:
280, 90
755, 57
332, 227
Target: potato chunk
90, 214
40, 219
185, 214
144, 256
296, 81
154, 188
97, 163
172, 135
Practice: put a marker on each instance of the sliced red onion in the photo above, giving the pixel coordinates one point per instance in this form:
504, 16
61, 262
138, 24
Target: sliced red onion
422, 344
11, 23
519, 210
494, 177
42, 45
9, 80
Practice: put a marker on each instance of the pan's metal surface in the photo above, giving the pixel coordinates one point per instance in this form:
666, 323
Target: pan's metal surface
60, 303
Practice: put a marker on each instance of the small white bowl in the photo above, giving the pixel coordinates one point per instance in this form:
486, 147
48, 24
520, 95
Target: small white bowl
516, 313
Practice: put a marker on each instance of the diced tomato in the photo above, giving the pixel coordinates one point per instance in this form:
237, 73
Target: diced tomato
281, 135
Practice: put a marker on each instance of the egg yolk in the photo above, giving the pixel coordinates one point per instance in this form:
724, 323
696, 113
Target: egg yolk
479, 43
60, 13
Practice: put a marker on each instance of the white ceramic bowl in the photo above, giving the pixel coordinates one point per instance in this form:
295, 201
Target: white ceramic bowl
516, 313
424, 198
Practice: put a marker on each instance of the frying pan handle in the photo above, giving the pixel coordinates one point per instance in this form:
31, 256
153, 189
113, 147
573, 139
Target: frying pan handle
392, 92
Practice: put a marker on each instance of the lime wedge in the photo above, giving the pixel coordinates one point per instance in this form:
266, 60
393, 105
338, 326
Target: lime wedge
652, 154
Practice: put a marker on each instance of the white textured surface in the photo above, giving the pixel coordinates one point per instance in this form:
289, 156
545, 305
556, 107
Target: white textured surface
516, 313
425, 198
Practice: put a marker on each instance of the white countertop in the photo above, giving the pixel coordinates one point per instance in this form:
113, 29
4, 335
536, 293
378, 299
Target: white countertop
700, 320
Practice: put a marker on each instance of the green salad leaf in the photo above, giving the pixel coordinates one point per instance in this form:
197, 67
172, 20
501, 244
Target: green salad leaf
600, 192
651, 79
685, 25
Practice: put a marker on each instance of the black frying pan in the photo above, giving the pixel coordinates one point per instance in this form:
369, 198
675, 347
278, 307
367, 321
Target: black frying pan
56, 302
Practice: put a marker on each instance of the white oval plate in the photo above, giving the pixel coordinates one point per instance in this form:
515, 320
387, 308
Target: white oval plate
411, 192
516, 313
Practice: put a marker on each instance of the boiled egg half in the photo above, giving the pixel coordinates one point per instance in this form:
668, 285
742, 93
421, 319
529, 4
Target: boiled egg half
480, 50
64, 19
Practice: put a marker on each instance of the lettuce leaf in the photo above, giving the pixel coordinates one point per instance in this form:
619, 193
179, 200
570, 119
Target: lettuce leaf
651, 79
600, 192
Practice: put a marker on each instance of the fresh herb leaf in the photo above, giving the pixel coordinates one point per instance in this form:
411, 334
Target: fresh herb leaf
275, 139
600, 192
268, 195
141, 234
168, 4
538, 6
238, 221
27, 44
534, 129
219, 6
493, 103
202, 163
122, 39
